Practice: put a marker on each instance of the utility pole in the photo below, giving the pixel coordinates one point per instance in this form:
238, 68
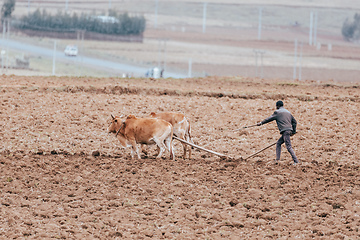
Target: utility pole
8, 40
156, 13
80, 37
28, 7
164, 61
256, 63
259, 27
2, 60
311, 27
315, 27
54, 58
159, 53
300, 60
295, 59
66, 5
204, 17
262, 64
162, 54
190, 66
3, 52
261, 53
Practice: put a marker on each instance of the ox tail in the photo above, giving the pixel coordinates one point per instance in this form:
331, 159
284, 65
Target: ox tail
188, 137
170, 143
172, 156
188, 133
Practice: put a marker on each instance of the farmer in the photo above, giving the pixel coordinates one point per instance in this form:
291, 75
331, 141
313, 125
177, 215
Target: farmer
287, 127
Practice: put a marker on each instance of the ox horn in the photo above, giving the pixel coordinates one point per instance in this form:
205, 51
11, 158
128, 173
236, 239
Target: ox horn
112, 116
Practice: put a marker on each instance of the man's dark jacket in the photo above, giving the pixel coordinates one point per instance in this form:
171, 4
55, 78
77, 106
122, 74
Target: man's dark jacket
285, 121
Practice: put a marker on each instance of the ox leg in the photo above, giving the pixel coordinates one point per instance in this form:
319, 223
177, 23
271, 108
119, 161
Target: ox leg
184, 145
137, 152
188, 139
132, 153
145, 149
157, 150
181, 134
185, 149
135, 148
161, 147
169, 147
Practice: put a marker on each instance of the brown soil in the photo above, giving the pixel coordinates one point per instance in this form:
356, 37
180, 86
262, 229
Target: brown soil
63, 176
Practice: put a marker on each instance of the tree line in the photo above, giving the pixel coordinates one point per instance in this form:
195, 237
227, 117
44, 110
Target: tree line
6, 9
351, 30
114, 23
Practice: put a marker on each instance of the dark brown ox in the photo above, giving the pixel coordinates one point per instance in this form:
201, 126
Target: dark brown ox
181, 126
133, 131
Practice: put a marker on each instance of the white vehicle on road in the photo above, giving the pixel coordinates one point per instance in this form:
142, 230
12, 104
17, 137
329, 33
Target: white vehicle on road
71, 50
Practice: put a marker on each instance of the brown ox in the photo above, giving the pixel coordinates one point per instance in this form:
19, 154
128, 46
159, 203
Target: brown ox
133, 131
181, 126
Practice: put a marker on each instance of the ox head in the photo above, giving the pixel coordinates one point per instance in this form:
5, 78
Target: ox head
115, 125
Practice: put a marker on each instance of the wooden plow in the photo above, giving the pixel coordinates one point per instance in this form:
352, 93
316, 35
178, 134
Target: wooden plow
244, 127
220, 154
201, 148
259, 151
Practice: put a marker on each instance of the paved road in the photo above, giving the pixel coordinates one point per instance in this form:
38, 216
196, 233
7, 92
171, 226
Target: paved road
89, 61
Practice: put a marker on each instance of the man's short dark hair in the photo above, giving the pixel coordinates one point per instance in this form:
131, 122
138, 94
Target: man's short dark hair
279, 104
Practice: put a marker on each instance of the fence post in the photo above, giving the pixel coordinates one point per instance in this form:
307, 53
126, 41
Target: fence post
190, 66
156, 13
204, 18
311, 27
295, 59
259, 27
54, 58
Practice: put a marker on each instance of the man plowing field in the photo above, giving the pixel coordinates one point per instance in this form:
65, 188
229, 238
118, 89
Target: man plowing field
287, 127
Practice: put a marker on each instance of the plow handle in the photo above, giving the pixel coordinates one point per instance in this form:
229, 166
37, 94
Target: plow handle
245, 127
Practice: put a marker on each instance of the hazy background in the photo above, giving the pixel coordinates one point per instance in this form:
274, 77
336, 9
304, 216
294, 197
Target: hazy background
181, 40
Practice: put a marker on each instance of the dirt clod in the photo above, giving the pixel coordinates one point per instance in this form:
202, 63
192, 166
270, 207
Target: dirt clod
95, 153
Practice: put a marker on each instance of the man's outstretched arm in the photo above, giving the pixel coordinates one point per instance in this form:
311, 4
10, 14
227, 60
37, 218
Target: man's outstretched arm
269, 119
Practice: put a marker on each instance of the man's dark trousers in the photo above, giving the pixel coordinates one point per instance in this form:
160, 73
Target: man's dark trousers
285, 138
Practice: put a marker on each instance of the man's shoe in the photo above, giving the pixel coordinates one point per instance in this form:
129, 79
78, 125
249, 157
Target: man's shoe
276, 162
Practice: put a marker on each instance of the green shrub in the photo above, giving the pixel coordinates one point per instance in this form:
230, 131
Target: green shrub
351, 30
7, 8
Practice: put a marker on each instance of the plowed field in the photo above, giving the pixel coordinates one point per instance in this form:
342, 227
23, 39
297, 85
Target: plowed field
63, 176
